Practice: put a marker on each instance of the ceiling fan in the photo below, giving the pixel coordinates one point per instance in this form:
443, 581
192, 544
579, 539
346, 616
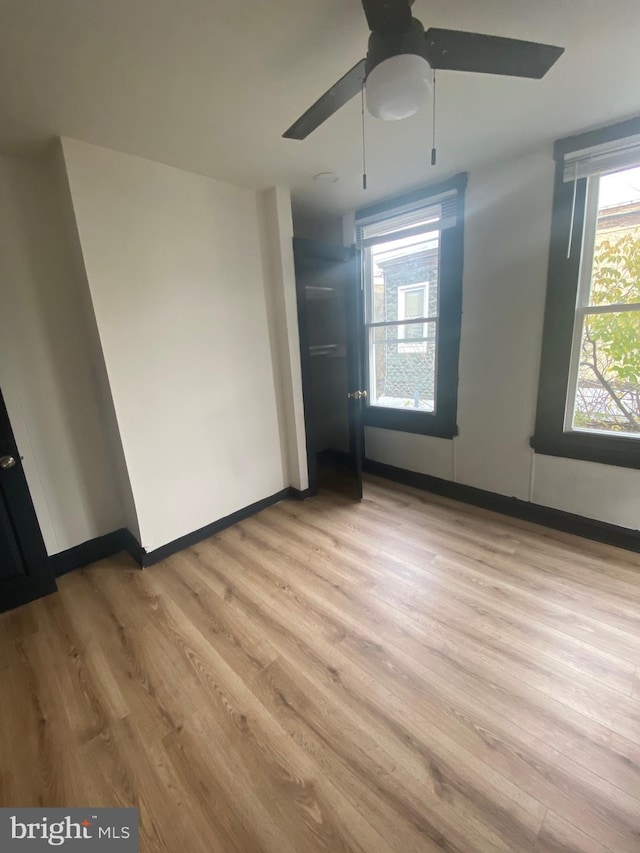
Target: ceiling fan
401, 60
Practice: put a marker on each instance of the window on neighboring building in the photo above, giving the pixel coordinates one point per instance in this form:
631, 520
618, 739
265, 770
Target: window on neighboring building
589, 397
412, 265
412, 305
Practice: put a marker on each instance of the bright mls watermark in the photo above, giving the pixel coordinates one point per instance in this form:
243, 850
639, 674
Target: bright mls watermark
82, 830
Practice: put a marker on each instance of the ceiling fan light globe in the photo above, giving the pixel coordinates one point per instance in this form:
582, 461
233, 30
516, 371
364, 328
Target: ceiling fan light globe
398, 87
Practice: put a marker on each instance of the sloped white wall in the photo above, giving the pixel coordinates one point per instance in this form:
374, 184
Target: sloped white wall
48, 369
178, 285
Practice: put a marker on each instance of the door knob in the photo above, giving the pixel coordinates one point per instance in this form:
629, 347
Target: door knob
7, 462
357, 395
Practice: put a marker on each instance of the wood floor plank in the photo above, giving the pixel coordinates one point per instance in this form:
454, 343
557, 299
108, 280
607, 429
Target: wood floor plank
482, 621
574, 547
559, 836
401, 674
461, 698
572, 561
527, 573
146, 681
306, 800
412, 562
427, 786
269, 622
352, 784
618, 711
49, 770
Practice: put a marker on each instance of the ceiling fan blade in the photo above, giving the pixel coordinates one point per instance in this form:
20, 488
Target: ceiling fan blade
388, 16
453, 50
336, 97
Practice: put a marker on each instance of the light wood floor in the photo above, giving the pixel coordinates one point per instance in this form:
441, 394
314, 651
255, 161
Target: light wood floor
407, 674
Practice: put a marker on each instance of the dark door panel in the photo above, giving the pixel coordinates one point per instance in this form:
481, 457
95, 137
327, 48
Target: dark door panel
355, 368
12, 564
25, 569
329, 303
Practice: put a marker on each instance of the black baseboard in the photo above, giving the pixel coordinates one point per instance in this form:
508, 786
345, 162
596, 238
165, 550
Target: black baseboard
123, 540
300, 494
91, 551
589, 528
131, 544
151, 557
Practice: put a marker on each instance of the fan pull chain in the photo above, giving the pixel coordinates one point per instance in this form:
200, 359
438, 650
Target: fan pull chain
433, 149
364, 145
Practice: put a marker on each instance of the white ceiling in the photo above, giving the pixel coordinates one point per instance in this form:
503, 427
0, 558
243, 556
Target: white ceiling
210, 85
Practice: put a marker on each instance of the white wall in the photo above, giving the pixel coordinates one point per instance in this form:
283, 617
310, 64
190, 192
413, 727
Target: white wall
48, 372
507, 230
177, 281
508, 224
101, 387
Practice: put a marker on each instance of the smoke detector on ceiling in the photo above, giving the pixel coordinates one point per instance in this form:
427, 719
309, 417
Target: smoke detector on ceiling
326, 178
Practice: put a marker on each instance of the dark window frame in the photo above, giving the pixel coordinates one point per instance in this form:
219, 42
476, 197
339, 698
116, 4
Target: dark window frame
550, 437
443, 422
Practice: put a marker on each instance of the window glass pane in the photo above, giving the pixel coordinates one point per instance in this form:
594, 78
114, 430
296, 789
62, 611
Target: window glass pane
398, 264
413, 332
414, 302
616, 265
403, 372
608, 386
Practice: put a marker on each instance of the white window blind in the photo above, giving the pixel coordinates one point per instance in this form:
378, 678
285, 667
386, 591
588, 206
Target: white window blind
611, 156
431, 214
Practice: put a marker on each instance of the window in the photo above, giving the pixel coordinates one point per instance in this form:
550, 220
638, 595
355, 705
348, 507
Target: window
604, 383
589, 395
402, 357
412, 272
412, 304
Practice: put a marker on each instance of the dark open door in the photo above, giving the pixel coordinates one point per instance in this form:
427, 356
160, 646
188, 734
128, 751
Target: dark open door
355, 367
25, 570
329, 316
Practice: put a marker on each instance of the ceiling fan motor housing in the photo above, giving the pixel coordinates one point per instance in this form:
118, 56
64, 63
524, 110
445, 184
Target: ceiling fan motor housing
385, 45
398, 74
